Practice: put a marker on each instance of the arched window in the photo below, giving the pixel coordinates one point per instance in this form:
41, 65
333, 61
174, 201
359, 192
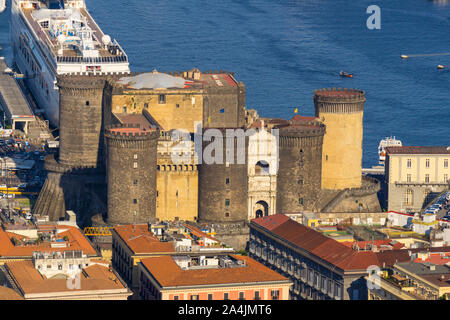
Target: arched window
262, 167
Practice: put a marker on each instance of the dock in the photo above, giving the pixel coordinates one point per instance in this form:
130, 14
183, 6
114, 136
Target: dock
13, 102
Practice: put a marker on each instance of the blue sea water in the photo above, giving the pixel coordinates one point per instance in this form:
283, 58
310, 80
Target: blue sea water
285, 49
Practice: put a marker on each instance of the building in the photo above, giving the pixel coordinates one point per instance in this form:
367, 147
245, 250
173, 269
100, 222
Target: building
320, 268
132, 243
9, 294
413, 281
177, 100
68, 275
225, 277
18, 243
414, 174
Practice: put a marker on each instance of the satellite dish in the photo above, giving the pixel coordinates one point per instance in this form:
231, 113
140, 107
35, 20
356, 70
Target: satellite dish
106, 39
61, 38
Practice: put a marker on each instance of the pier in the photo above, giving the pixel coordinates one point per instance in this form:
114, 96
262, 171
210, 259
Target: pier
15, 107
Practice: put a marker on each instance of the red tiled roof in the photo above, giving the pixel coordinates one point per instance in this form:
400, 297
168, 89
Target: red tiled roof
165, 270
29, 279
77, 241
142, 241
321, 246
418, 150
365, 244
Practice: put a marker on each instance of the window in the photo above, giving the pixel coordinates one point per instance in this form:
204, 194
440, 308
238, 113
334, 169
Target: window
227, 214
227, 181
162, 99
408, 163
427, 163
275, 294
445, 177
300, 182
194, 297
225, 296
49, 266
124, 109
408, 178
87, 103
135, 165
135, 201
177, 106
210, 296
135, 156
300, 201
427, 178
175, 297
445, 163
146, 105
257, 297
241, 296
135, 182
227, 202
59, 266
408, 197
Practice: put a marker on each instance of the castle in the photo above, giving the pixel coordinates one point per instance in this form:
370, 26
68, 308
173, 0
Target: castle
116, 159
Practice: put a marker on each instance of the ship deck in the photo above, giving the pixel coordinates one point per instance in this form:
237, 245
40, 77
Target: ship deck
52, 43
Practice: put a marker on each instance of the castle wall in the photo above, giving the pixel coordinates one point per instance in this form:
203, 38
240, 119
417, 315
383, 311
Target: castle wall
181, 108
177, 192
80, 116
342, 113
224, 107
299, 173
223, 188
131, 176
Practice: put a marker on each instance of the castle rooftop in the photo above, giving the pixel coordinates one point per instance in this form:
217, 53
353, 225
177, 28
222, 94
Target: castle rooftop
338, 92
193, 79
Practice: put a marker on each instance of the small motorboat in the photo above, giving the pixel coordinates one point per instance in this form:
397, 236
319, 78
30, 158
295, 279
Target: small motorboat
345, 74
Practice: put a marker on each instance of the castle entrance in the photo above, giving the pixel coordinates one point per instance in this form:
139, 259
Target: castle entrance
261, 209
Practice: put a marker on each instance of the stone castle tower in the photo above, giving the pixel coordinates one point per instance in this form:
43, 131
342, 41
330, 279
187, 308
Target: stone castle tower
299, 173
223, 187
75, 177
341, 111
131, 173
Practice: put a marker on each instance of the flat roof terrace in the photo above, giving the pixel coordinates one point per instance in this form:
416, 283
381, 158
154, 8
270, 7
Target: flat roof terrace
12, 100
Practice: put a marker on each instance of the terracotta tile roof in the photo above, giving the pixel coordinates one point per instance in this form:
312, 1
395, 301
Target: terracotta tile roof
77, 241
9, 294
142, 241
199, 233
323, 247
31, 281
418, 150
436, 258
378, 243
165, 270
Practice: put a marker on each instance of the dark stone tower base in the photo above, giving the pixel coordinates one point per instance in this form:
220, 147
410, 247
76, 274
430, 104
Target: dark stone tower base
80, 189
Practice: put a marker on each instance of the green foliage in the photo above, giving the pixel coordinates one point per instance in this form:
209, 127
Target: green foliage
242, 252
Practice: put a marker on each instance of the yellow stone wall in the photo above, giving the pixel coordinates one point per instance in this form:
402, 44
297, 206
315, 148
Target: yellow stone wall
181, 110
342, 150
177, 187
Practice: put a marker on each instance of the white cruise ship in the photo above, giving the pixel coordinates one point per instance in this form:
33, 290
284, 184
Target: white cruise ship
2, 5
387, 142
52, 37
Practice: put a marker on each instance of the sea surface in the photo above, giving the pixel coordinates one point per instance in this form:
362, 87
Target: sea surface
285, 49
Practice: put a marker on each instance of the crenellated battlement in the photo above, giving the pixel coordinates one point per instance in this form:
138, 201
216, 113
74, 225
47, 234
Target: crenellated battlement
81, 82
131, 131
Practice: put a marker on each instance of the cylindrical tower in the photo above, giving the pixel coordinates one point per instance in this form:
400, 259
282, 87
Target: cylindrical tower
341, 110
80, 119
299, 173
223, 184
131, 173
